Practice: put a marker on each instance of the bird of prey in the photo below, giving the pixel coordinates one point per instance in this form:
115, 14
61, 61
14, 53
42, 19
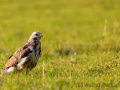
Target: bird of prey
25, 57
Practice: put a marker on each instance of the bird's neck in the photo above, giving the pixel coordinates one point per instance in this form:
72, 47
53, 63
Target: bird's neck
33, 40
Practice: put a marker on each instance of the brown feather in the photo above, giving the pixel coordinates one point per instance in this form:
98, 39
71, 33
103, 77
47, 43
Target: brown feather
16, 57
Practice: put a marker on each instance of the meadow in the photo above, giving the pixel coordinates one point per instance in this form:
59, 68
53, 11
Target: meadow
80, 44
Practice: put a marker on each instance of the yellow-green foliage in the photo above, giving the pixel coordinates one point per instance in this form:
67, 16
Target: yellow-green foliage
80, 44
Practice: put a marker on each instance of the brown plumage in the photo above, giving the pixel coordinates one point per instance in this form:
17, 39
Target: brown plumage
25, 57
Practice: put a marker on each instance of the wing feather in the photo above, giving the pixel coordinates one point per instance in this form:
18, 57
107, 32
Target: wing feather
18, 55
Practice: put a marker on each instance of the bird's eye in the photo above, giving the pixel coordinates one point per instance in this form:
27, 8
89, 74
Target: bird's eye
36, 34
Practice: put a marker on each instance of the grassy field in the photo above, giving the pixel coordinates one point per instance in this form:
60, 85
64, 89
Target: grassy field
81, 43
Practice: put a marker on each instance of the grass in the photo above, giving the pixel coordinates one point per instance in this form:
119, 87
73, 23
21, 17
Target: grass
80, 47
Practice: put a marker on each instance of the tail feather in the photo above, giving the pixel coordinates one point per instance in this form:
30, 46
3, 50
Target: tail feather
8, 71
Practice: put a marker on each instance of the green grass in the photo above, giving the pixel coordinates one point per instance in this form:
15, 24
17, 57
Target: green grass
81, 43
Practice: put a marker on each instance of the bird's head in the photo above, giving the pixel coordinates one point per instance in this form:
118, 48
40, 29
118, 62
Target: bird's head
36, 35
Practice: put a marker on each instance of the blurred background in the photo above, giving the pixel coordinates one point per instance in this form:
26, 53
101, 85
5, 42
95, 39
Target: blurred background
81, 39
71, 22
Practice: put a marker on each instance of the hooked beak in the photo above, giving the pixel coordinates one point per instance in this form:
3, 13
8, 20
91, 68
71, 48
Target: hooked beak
41, 35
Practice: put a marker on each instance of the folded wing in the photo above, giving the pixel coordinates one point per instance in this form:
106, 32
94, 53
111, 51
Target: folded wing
18, 55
